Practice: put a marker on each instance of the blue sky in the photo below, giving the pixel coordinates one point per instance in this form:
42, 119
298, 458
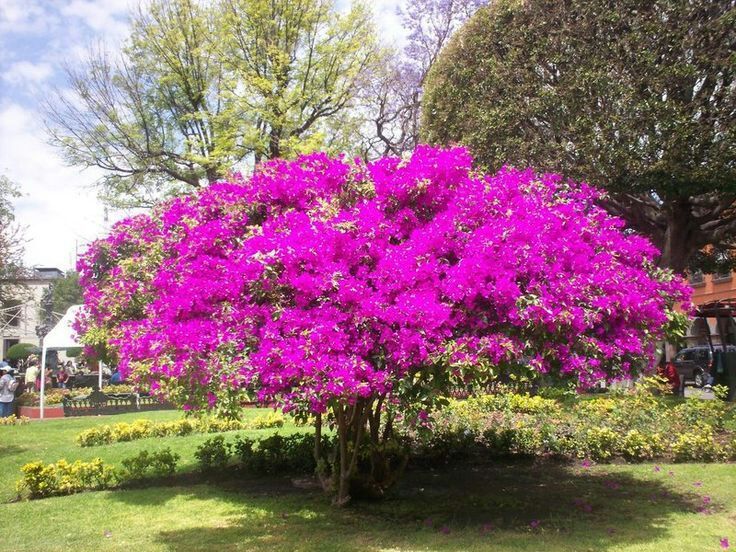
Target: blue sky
59, 209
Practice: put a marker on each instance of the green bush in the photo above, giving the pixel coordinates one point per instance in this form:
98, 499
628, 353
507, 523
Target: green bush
95, 436
278, 454
698, 445
701, 412
141, 429
634, 425
42, 480
213, 454
19, 351
160, 463
637, 446
515, 403
267, 421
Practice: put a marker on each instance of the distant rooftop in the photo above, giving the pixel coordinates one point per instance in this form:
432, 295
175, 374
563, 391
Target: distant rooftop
46, 272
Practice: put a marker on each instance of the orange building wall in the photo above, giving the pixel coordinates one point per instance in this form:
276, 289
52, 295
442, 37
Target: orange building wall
713, 288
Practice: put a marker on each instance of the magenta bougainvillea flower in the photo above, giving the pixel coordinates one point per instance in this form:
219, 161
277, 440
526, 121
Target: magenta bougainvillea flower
322, 280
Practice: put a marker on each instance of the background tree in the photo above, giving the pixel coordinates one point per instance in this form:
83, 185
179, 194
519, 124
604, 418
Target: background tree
393, 98
201, 87
20, 351
294, 65
11, 246
67, 292
154, 118
636, 96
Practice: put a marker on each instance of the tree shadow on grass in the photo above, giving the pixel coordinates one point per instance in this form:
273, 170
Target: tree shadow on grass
516, 505
10, 450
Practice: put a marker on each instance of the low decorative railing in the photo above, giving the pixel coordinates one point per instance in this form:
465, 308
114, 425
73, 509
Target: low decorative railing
100, 403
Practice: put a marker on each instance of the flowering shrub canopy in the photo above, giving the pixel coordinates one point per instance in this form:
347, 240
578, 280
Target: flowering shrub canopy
320, 280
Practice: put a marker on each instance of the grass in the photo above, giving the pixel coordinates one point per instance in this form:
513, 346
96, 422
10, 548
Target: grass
463, 507
54, 439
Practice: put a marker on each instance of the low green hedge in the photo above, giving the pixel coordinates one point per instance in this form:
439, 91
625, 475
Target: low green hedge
40, 480
634, 427
267, 455
142, 429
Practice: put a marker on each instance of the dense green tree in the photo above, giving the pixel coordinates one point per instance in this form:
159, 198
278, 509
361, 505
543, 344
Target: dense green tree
202, 87
11, 248
20, 351
67, 292
637, 96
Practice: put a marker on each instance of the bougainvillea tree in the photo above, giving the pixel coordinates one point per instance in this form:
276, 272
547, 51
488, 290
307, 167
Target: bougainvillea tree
355, 293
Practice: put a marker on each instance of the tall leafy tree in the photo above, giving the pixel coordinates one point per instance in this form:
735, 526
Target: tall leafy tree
154, 118
636, 96
201, 87
67, 292
11, 246
293, 65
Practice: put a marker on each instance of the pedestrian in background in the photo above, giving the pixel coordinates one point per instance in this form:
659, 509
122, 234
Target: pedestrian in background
8, 385
31, 375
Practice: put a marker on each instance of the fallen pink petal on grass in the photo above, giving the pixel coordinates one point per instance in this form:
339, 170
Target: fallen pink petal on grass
724, 543
486, 528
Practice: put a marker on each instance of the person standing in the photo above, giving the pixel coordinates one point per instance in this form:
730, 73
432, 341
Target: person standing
31, 375
8, 385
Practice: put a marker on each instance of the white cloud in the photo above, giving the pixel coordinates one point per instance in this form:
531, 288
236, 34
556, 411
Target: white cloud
22, 72
108, 18
388, 22
25, 16
59, 209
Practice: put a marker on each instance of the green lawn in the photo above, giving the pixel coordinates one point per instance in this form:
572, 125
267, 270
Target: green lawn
464, 507
51, 440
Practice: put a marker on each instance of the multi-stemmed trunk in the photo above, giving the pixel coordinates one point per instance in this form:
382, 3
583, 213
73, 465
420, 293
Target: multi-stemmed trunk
360, 460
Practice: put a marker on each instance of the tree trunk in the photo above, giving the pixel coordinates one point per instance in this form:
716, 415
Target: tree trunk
680, 237
343, 483
274, 144
213, 174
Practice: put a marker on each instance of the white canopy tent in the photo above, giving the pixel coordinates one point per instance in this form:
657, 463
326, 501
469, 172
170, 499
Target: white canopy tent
60, 338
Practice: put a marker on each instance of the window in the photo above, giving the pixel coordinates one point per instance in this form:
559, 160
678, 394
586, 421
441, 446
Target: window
7, 344
697, 278
722, 276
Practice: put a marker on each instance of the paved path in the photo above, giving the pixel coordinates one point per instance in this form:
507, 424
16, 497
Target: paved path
702, 393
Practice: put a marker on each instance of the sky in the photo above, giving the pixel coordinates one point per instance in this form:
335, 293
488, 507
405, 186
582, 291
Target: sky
59, 209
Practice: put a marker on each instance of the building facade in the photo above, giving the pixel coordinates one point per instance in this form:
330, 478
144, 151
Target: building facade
21, 316
708, 288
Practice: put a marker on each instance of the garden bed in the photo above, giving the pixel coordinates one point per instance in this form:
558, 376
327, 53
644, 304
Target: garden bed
34, 412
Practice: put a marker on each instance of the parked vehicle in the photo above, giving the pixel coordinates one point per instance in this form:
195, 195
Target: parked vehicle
694, 363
